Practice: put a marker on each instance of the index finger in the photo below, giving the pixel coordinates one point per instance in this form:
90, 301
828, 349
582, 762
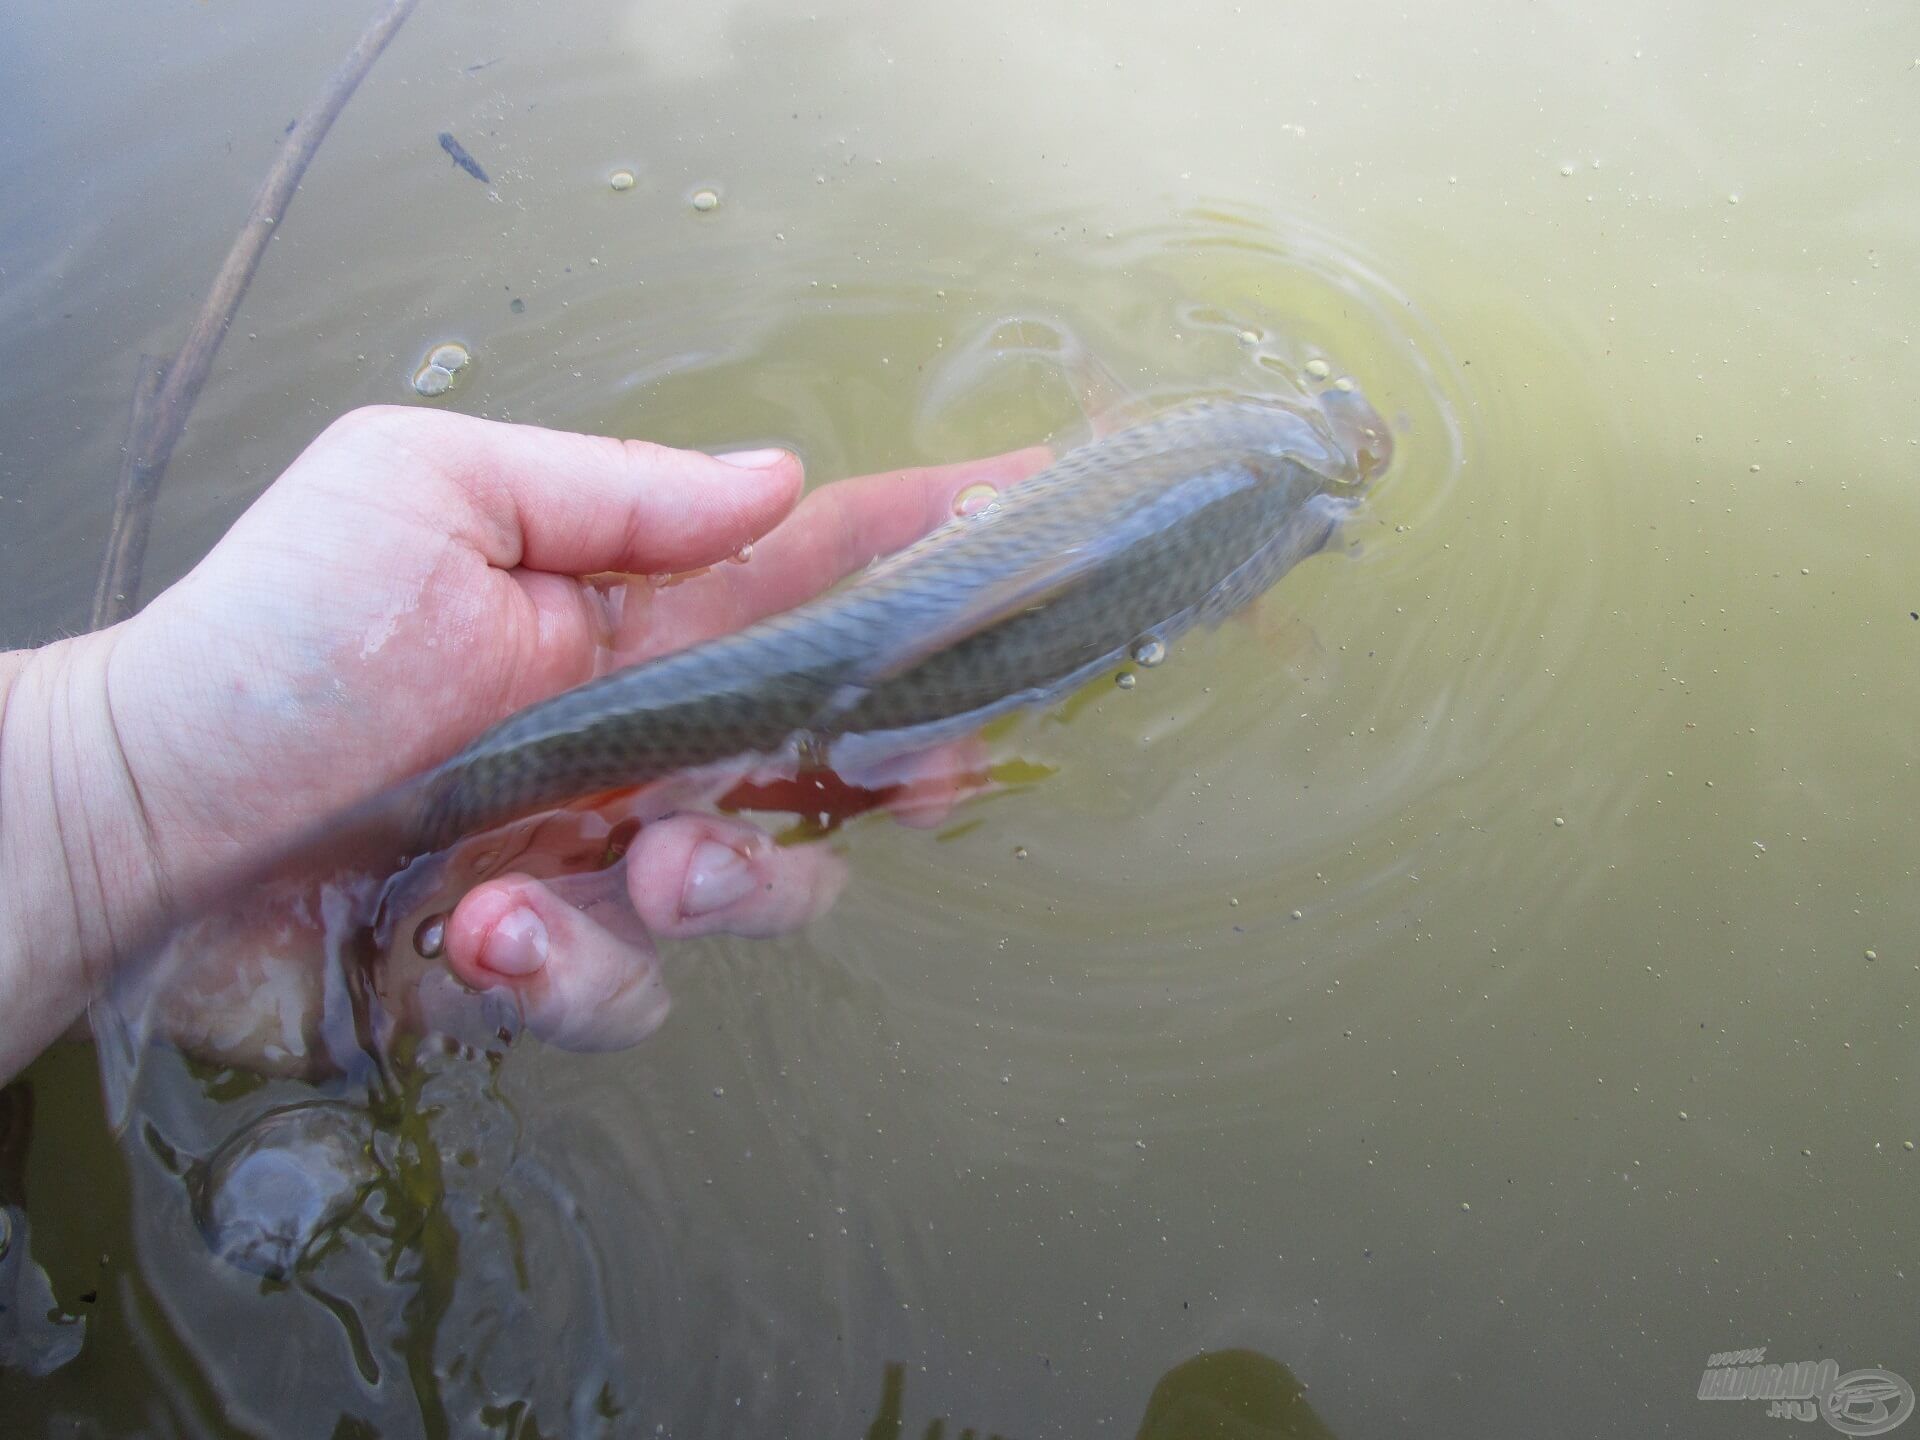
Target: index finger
833, 532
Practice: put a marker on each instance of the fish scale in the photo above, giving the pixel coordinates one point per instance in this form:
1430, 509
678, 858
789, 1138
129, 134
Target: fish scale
1169, 523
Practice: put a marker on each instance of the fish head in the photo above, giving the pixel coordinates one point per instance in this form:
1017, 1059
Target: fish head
1362, 436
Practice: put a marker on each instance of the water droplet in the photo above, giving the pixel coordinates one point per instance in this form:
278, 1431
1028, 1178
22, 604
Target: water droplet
1126, 680
705, 200
743, 554
621, 180
431, 936
1318, 369
1149, 652
1020, 853
452, 356
975, 499
433, 380
517, 305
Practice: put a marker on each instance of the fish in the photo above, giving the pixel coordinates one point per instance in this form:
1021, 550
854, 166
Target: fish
1115, 549
458, 154
1177, 521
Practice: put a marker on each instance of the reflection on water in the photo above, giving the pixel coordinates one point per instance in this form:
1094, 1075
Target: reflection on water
1453, 979
37, 1336
1225, 1395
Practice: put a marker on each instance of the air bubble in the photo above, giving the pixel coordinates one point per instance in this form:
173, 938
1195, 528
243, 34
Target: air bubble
452, 357
1126, 680
430, 939
432, 381
1149, 652
705, 200
975, 500
621, 180
1318, 369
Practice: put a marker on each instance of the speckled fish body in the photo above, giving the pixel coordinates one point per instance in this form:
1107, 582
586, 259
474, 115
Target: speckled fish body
1173, 522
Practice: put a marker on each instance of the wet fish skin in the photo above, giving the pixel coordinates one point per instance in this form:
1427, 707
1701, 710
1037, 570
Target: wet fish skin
1170, 523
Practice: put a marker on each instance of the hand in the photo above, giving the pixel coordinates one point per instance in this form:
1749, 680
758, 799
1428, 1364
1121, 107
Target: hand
412, 578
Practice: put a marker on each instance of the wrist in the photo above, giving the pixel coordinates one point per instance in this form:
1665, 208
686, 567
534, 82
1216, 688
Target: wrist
78, 882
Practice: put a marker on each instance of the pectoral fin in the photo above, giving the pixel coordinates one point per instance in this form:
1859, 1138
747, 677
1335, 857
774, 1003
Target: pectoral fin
1106, 402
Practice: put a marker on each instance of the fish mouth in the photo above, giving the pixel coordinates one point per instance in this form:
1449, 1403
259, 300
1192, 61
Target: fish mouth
1361, 433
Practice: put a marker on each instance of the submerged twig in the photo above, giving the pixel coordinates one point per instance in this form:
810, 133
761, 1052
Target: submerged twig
168, 388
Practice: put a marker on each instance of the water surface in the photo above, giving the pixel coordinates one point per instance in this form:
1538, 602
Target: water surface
1450, 983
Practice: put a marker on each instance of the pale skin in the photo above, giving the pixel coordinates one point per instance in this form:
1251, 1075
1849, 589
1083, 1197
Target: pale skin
412, 578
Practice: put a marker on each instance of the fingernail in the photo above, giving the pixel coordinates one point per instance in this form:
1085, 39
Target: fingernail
752, 459
517, 946
717, 875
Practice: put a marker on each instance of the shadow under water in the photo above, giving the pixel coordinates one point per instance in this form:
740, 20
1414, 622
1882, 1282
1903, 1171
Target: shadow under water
1219, 1395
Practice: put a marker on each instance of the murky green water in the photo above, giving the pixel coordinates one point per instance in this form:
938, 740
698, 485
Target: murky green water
1285, 1014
